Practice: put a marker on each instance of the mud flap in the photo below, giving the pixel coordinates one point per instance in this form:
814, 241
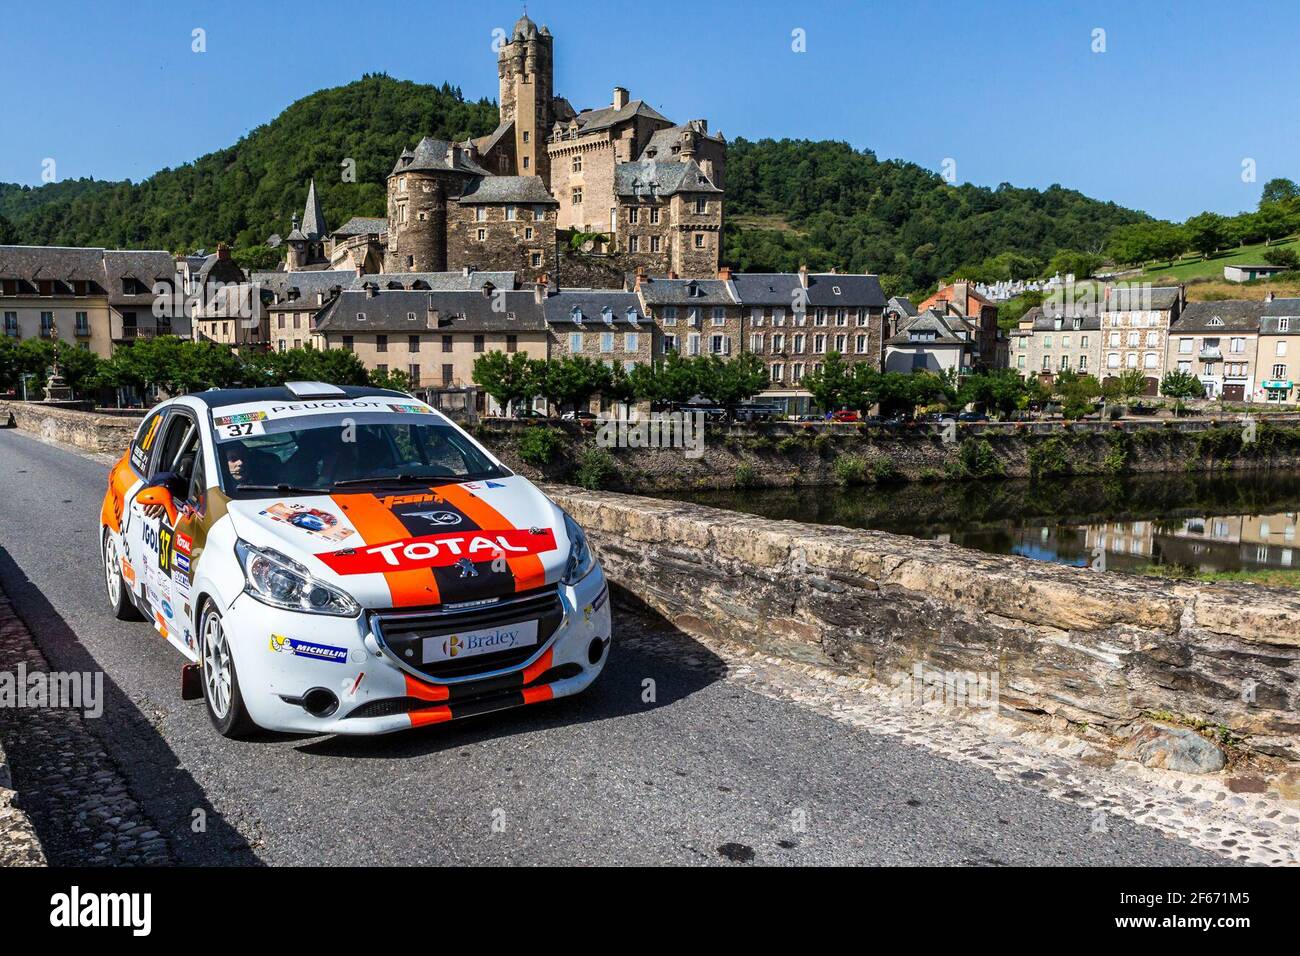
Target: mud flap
191, 682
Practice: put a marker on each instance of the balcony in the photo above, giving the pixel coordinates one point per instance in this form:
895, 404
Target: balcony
1210, 355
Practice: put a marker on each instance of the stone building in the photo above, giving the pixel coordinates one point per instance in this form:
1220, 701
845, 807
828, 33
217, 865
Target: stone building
1278, 361
1049, 340
1218, 343
962, 300
308, 241
693, 316
936, 341
97, 298
1135, 324
435, 337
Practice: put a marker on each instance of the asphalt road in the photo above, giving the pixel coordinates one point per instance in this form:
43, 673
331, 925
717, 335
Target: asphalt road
706, 774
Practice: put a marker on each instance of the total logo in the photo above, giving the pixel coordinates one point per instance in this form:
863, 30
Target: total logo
439, 550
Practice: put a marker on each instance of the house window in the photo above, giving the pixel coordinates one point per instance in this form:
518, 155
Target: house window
576, 197
670, 315
381, 343
347, 343
577, 163
480, 213
11, 324
575, 342
693, 344
536, 259
670, 343
778, 342
510, 213
83, 326
1020, 361
819, 344
1279, 372
606, 342
654, 216
633, 244
446, 343
1149, 360
47, 324
862, 344
478, 343
527, 159
654, 243
699, 240
633, 215
1047, 363
447, 377
798, 344
719, 315
528, 232
701, 205
756, 343
413, 373
1237, 345
482, 235
631, 341
778, 372
841, 317
527, 136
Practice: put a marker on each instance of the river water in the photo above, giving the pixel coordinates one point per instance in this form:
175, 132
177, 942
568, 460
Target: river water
1220, 522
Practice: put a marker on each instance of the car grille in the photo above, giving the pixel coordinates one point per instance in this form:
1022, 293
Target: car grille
474, 698
404, 631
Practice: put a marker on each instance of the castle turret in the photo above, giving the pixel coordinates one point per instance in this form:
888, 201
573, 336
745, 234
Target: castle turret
526, 74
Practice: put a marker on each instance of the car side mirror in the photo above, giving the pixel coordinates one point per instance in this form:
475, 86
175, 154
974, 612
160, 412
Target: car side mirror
160, 496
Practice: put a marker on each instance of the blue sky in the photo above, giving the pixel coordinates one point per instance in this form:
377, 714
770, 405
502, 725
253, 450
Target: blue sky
1011, 90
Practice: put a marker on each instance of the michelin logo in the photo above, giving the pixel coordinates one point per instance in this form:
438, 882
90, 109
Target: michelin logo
319, 652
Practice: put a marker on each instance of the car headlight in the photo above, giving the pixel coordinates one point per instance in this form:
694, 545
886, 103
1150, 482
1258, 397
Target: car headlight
280, 581
581, 560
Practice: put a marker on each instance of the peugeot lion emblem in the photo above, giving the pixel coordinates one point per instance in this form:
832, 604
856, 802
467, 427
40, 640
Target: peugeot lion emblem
466, 568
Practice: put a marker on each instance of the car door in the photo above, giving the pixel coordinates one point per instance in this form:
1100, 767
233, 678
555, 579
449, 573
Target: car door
150, 534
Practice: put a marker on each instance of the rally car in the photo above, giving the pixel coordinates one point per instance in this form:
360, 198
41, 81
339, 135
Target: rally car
346, 560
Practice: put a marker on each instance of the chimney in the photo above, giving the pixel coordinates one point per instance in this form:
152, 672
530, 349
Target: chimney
640, 277
223, 251
540, 287
488, 289
620, 97
431, 314
453, 154
1269, 297
725, 275
803, 275
673, 275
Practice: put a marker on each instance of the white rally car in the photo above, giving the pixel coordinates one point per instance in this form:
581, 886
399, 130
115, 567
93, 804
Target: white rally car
347, 560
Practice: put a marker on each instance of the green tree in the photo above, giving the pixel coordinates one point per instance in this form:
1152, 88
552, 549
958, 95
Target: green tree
1178, 384
730, 382
1277, 191
827, 384
1206, 233
394, 379
677, 381
573, 381
1127, 386
508, 378
1001, 390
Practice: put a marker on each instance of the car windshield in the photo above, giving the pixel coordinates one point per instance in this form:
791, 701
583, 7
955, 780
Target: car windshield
307, 455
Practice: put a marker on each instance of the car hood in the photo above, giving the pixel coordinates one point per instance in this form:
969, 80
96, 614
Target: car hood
413, 547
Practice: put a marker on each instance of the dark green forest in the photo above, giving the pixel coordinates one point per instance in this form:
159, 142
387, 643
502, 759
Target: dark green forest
790, 202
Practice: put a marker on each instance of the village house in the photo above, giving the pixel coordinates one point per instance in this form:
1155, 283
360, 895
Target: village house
1049, 340
934, 341
1217, 342
1278, 360
1135, 327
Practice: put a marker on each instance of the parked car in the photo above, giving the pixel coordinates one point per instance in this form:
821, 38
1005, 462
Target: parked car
346, 560
712, 413
530, 413
846, 415
972, 417
578, 417
756, 412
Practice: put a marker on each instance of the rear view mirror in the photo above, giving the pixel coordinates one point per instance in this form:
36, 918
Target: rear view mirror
158, 495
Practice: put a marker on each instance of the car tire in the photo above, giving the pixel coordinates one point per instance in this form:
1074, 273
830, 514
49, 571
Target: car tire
221, 692
119, 597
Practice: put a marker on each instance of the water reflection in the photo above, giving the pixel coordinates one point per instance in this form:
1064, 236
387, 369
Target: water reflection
1211, 523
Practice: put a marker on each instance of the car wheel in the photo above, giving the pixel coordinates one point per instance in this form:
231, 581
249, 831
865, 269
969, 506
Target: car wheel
119, 597
220, 682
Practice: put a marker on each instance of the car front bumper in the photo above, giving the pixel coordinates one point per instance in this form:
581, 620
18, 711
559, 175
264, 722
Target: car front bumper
284, 659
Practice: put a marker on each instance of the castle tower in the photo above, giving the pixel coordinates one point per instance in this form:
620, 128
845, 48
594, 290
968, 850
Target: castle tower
525, 69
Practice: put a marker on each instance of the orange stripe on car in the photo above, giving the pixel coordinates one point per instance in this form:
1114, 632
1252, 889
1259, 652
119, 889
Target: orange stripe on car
538, 667
535, 695
376, 524
433, 715
527, 568
423, 691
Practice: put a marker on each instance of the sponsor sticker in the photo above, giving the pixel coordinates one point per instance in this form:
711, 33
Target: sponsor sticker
180, 562
184, 543
320, 652
411, 409
312, 520
242, 425
486, 640
439, 550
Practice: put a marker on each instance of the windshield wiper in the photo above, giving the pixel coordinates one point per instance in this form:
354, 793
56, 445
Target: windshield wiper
284, 489
390, 479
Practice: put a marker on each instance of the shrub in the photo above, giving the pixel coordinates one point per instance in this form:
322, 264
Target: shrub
1116, 460
746, 477
822, 443
884, 470
850, 470
788, 445
1050, 457
595, 469
538, 446
978, 460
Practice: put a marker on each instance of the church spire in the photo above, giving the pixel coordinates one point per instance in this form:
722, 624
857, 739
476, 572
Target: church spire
313, 217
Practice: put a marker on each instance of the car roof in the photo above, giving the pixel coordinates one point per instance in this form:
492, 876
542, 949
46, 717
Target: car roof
218, 397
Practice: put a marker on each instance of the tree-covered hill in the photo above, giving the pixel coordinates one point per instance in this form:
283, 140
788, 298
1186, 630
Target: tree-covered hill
789, 202
827, 204
248, 191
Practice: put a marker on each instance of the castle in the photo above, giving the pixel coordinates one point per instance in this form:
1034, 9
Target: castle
638, 192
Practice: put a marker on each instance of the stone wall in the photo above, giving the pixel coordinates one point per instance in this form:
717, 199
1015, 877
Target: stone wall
789, 454
102, 434
1069, 646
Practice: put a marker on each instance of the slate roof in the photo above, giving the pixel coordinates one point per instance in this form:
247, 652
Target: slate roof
307, 283
1045, 321
458, 312
1237, 315
1133, 297
657, 178
902, 305
485, 144
945, 329
664, 143
435, 281
592, 304
678, 292
589, 121
431, 155
313, 217
507, 189
104, 267
362, 226
778, 289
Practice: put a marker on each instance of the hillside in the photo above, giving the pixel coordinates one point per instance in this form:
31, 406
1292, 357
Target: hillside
790, 202
246, 192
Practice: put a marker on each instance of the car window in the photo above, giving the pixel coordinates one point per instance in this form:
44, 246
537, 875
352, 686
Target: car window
144, 441
180, 427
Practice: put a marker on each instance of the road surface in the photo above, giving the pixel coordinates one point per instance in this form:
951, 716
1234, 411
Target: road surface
710, 772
